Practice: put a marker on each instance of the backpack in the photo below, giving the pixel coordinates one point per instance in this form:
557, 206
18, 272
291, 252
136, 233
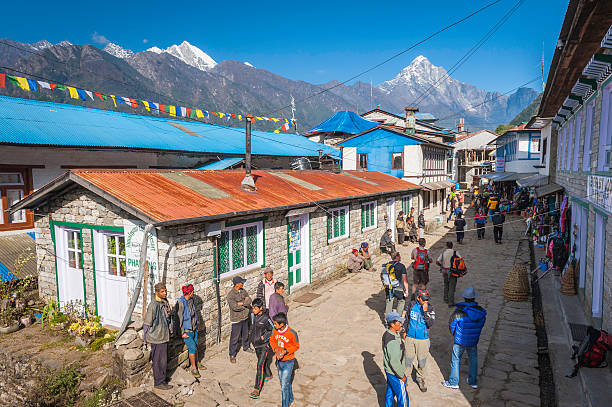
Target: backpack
605, 340
457, 266
421, 262
388, 276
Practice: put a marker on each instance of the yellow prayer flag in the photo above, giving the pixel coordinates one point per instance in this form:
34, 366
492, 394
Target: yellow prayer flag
146, 105
221, 115
259, 118
23, 83
199, 113
275, 119
73, 92
239, 117
172, 111
114, 101
277, 131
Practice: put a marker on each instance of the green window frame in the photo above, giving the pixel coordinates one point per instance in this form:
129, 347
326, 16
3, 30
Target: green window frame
406, 204
241, 248
369, 218
337, 223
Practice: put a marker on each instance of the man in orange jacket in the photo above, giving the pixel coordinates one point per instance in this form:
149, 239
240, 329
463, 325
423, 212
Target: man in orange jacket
285, 343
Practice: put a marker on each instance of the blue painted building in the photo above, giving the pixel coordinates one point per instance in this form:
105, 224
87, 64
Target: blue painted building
414, 158
518, 150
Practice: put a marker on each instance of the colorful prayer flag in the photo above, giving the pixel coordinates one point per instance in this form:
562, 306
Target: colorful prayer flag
114, 100
172, 111
102, 96
259, 118
2, 80
155, 107
60, 87
221, 115
73, 92
90, 94
19, 82
191, 113
134, 103
45, 85
146, 105
239, 117
82, 94
183, 111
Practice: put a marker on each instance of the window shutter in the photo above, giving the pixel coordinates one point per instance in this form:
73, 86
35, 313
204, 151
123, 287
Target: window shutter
371, 214
329, 227
363, 222
342, 223
237, 248
223, 243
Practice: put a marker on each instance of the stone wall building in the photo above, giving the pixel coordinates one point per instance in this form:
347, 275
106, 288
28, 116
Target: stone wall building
576, 116
303, 224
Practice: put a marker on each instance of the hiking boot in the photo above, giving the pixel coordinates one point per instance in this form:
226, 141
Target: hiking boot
421, 384
195, 373
450, 386
163, 386
474, 386
232, 359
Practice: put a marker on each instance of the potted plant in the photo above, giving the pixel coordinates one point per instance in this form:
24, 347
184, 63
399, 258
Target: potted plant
8, 320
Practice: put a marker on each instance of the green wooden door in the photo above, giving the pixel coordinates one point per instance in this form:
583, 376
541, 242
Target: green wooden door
294, 239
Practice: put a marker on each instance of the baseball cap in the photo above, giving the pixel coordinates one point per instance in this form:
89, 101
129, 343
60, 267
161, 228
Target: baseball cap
238, 280
394, 316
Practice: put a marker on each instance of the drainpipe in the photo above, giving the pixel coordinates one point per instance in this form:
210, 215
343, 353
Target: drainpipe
248, 183
141, 269
217, 290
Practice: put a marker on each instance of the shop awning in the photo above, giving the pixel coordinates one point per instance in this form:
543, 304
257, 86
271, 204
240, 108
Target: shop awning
513, 176
433, 186
446, 183
548, 189
534, 180
495, 176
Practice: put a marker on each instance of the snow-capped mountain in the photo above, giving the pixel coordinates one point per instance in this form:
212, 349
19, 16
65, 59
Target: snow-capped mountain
189, 54
118, 51
40, 45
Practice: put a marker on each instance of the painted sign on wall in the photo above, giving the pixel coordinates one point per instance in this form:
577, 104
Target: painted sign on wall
599, 191
134, 231
500, 164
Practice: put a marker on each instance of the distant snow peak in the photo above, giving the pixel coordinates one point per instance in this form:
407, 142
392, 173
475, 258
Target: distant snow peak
189, 54
64, 43
248, 64
420, 72
118, 51
42, 44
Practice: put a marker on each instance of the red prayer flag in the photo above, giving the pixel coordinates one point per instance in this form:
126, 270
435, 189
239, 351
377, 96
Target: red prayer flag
1, 80
215, 113
188, 112
53, 86
134, 103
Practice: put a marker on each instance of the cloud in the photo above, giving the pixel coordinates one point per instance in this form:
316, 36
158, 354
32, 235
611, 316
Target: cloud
99, 38
144, 41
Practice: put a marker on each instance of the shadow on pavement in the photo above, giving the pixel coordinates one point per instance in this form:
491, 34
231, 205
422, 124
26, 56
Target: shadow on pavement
375, 376
376, 302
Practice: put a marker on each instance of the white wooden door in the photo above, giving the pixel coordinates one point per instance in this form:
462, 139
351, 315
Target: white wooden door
298, 252
69, 266
391, 216
598, 265
111, 279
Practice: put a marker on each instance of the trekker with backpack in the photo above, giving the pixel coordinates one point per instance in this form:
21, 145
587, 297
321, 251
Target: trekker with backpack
395, 282
420, 318
465, 325
460, 227
479, 221
450, 274
420, 266
498, 226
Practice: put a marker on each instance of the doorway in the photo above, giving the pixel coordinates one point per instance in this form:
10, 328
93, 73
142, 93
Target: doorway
298, 250
391, 216
69, 255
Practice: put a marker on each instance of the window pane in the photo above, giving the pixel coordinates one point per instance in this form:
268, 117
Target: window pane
13, 196
336, 224
112, 248
237, 248
224, 252
77, 240
112, 266
122, 268
72, 260
251, 244
121, 245
342, 224
372, 216
9, 178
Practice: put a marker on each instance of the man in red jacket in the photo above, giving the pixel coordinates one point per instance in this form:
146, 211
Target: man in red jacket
285, 343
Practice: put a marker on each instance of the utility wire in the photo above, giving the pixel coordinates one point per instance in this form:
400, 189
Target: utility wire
392, 57
471, 52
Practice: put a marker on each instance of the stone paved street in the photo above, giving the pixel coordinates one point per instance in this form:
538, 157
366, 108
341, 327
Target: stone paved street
340, 333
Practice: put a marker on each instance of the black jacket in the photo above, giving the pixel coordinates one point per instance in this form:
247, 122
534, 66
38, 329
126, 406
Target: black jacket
262, 326
421, 221
498, 219
261, 293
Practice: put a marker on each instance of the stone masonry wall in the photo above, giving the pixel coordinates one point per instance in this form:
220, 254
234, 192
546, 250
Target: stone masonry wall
575, 184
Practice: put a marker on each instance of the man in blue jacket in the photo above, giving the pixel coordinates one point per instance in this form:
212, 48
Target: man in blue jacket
419, 319
465, 325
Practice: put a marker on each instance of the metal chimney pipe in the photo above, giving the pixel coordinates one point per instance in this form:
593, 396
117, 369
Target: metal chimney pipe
248, 183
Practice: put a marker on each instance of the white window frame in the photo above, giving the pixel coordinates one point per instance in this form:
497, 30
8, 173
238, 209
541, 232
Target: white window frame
588, 139
21, 213
599, 259
75, 250
577, 134
559, 150
117, 256
12, 183
374, 205
569, 144
260, 248
605, 128
347, 222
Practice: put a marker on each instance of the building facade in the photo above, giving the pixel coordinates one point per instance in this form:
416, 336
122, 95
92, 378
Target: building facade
518, 150
576, 120
472, 156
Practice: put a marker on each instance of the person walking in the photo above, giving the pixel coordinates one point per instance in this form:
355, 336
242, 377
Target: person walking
413, 234
400, 224
239, 304
259, 336
394, 361
460, 228
450, 282
277, 301
465, 325
420, 318
461, 198
364, 251
453, 205
480, 220
157, 328
396, 284
492, 205
265, 288
420, 266
355, 262
498, 226
386, 242
284, 342
421, 224
188, 321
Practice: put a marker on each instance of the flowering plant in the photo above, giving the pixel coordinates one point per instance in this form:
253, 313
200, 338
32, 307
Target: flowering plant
89, 326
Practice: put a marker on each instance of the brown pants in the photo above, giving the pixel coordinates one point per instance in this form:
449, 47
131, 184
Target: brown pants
419, 349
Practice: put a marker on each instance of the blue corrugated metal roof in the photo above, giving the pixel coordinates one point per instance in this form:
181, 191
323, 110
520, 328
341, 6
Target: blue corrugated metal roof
25, 121
222, 164
5, 274
344, 122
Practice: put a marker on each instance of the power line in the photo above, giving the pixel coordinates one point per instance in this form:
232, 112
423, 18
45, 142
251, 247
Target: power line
471, 52
394, 56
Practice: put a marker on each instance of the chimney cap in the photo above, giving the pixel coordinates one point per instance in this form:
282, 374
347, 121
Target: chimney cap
411, 108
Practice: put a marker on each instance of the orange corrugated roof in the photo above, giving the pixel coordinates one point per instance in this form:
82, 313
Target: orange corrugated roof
161, 199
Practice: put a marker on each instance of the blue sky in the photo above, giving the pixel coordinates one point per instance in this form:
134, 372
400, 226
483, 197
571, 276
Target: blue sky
314, 41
